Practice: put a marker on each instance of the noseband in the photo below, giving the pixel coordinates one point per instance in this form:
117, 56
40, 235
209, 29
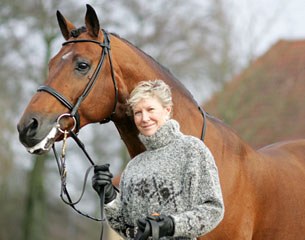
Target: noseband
105, 45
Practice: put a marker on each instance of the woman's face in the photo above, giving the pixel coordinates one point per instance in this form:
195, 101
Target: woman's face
150, 115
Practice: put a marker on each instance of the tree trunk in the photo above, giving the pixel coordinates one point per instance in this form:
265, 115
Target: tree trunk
34, 226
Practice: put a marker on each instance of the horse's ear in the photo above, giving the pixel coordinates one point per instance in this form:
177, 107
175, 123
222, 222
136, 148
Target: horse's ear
65, 26
92, 22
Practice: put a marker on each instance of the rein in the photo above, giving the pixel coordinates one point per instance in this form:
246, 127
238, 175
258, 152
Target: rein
61, 164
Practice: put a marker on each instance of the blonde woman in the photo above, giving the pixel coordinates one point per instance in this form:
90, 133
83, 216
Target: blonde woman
170, 191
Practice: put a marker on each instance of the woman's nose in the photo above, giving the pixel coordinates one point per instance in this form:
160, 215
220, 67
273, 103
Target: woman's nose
145, 116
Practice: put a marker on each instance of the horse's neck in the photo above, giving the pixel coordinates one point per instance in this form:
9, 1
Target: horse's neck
135, 66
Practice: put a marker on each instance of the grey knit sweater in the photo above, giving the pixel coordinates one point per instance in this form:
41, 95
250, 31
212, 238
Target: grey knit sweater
176, 176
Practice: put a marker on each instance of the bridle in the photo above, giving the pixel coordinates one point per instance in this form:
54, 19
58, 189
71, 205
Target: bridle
105, 45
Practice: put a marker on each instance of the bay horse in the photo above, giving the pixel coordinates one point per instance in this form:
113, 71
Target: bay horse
90, 79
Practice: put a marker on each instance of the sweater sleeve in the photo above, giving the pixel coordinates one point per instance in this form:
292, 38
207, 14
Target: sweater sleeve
115, 216
203, 193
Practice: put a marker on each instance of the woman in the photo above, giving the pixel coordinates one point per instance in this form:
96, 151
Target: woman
170, 191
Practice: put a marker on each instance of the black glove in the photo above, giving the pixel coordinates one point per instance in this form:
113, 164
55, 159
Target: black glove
155, 226
102, 178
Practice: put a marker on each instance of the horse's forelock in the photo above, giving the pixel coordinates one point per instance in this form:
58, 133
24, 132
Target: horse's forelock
76, 32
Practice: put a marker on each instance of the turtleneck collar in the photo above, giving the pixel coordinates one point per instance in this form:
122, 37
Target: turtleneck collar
163, 136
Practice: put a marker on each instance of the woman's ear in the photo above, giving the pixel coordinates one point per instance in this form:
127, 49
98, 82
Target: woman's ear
168, 110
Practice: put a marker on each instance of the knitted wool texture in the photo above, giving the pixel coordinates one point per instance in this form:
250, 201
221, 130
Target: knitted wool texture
176, 176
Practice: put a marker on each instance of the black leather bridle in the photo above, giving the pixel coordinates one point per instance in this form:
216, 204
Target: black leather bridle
105, 45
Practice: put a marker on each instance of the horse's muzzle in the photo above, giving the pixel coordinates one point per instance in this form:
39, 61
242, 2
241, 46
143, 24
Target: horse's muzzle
36, 135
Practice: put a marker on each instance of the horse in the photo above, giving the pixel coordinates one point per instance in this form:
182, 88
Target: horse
90, 79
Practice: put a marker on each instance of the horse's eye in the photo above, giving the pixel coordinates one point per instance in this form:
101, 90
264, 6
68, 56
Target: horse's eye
82, 67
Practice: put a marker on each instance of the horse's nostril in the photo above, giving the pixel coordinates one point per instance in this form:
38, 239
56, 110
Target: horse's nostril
28, 131
34, 123
32, 127
29, 128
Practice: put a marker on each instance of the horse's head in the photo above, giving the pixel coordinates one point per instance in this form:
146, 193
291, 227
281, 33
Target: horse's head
80, 72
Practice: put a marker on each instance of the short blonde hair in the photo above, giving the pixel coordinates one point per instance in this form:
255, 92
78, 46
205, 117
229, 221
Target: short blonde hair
147, 89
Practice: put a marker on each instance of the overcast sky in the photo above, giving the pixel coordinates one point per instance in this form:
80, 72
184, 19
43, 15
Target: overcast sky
272, 20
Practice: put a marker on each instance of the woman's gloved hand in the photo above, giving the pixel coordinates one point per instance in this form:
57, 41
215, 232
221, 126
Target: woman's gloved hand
155, 226
103, 178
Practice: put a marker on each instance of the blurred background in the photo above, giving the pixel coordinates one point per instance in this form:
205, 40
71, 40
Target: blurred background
224, 51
